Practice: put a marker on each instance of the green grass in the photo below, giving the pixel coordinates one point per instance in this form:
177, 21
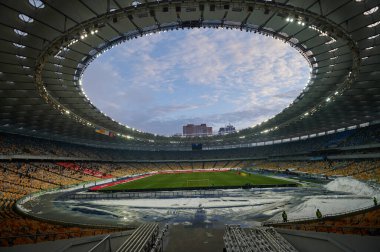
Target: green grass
180, 180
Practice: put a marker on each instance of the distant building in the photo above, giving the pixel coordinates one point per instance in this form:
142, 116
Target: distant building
197, 130
227, 130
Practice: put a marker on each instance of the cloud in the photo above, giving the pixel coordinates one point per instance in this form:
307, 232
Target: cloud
161, 82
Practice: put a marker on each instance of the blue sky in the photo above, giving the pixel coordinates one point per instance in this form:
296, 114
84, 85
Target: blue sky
159, 83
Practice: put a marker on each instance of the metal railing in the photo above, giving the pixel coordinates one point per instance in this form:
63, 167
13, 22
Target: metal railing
149, 194
34, 238
158, 245
255, 239
336, 229
279, 221
103, 246
142, 239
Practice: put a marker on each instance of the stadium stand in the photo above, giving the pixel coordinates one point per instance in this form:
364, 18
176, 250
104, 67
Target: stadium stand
20, 179
336, 144
364, 140
82, 169
24, 177
366, 222
53, 137
367, 170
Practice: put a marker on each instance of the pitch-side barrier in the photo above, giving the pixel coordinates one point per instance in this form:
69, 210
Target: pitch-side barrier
152, 194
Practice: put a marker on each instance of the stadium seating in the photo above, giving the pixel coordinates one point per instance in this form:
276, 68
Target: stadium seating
23, 176
368, 170
20, 179
363, 223
82, 169
363, 136
21, 145
17, 230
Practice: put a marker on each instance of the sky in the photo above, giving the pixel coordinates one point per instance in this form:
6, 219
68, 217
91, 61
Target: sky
160, 82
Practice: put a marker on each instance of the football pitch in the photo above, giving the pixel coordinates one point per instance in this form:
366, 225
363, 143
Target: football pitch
198, 179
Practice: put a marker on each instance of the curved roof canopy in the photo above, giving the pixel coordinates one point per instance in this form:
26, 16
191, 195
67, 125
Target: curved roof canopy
46, 46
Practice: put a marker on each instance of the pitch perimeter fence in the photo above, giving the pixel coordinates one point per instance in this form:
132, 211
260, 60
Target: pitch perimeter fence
148, 194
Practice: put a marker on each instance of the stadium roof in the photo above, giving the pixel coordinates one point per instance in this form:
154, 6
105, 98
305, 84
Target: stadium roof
46, 46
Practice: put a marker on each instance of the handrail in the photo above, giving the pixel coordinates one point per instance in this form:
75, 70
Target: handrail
59, 233
75, 243
323, 238
265, 223
107, 237
143, 236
